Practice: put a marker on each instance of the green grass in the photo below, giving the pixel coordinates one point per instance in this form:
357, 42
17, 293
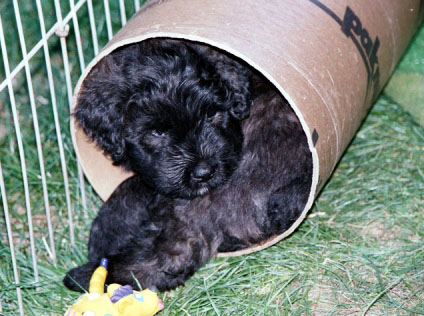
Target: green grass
359, 252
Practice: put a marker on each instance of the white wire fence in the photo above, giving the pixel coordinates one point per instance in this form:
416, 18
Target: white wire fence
45, 46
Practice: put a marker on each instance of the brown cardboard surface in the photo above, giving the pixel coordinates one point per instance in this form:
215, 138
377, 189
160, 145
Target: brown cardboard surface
328, 58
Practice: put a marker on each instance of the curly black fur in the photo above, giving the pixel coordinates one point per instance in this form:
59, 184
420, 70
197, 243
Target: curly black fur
162, 241
143, 237
169, 111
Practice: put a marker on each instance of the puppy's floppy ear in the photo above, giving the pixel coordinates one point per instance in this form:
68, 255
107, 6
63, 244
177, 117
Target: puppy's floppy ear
234, 75
100, 109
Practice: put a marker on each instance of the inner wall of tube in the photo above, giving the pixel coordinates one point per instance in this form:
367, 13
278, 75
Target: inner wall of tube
286, 152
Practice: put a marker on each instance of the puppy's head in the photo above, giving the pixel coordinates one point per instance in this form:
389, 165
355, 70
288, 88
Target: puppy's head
170, 112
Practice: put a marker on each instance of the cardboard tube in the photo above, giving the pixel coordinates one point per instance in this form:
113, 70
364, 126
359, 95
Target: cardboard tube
328, 58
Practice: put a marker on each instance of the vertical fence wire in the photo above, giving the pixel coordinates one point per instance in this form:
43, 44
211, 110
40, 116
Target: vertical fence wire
16, 124
24, 175
10, 235
62, 31
108, 20
93, 27
82, 67
55, 118
123, 13
77, 36
137, 5
73, 13
96, 51
35, 124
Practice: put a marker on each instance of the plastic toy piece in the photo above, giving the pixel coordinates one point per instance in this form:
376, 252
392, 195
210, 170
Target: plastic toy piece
120, 300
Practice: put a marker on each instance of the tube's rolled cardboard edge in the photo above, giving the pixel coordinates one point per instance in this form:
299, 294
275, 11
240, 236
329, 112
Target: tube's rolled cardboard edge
329, 59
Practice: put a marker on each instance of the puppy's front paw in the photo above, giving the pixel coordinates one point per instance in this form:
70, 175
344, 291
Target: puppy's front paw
165, 264
78, 279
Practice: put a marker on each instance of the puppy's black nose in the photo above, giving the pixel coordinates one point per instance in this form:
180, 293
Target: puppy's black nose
203, 172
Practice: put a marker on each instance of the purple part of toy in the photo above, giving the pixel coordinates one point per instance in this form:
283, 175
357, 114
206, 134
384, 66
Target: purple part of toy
122, 291
104, 263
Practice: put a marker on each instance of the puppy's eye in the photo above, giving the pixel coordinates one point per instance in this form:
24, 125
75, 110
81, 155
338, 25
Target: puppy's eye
211, 113
214, 117
158, 133
156, 138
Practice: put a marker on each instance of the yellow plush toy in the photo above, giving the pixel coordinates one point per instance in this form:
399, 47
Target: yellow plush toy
118, 301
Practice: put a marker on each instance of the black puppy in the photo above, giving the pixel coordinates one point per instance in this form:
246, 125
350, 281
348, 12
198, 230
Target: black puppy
145, 239
161, 241
169, 111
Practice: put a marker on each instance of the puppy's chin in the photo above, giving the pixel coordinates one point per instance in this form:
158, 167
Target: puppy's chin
202, 191
186, 193
194, 191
